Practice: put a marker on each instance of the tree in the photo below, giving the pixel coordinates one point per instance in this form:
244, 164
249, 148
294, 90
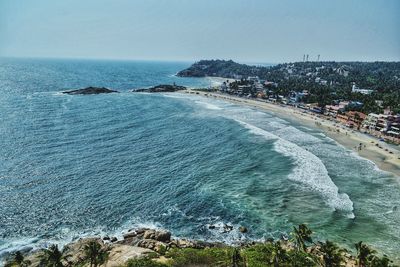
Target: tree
18, 260
236, 258
95, 253
332, 254
52, 257
278, 254
364, 254
301, 235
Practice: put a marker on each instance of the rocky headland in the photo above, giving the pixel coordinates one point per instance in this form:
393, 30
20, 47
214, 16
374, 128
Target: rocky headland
90, 91
162, 88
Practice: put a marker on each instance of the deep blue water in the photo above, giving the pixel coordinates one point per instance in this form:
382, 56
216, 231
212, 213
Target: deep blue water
101, 164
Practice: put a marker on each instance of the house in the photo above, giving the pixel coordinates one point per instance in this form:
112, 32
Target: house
355, 118
295, 97
333, 110
355, 89
370, 121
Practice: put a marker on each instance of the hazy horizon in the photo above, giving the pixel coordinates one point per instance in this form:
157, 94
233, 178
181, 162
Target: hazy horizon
252, 32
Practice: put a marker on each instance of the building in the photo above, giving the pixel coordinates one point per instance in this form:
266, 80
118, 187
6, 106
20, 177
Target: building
333, 110
371, 121
355, 89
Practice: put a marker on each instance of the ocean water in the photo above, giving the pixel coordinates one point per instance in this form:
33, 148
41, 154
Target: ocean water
73, 166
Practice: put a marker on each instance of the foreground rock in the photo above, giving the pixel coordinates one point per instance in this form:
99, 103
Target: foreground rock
90, 91
120, 254
162, 88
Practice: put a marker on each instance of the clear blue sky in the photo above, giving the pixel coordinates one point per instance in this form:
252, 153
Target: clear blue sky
246, 31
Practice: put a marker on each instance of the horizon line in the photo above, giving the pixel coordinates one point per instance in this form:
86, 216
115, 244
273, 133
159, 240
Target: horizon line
188, 60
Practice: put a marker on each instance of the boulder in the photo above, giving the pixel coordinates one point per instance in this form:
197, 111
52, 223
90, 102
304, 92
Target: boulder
152, 244
120, 254
242, 229
159, 235
129, 235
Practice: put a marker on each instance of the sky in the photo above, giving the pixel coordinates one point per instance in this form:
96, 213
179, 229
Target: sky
269, 31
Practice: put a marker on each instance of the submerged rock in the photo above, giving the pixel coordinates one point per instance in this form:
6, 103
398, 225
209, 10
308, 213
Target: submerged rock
242, 229
90, 91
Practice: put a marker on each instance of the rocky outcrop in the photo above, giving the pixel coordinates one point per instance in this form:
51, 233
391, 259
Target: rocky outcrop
120, 254
90, 91
162, 88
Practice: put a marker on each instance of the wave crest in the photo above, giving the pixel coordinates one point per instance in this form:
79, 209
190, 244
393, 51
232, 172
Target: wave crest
309, 170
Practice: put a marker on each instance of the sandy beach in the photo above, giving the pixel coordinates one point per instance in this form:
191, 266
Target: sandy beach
385, 156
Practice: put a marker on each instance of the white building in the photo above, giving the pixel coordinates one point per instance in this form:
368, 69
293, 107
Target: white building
355, 89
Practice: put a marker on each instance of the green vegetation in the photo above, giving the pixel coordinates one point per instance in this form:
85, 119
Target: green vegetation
298, 251
18, 260
144, 263
324, 81
95, 253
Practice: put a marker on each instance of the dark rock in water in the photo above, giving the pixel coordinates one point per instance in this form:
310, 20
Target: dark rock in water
242, 229
211, 226
90, 91
113, 239
227, 228
162, 88
106, 237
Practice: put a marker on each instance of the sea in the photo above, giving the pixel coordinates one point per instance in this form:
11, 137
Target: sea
84, 165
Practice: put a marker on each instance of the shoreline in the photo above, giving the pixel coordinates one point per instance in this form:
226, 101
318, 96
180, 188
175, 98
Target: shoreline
384, 156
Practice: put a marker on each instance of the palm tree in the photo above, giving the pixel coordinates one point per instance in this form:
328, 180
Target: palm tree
301, 235
278, 254
18, 260
332, 254
236, 257
95, 253
380, 262
364, 253
52, 257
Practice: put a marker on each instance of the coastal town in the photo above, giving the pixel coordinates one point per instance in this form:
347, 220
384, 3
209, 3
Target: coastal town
385, 126
330, 90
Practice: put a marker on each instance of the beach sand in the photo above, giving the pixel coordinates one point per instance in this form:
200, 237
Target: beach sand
385, 156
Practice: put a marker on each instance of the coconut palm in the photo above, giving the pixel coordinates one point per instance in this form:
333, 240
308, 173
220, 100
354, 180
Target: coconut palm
332, 254
236, 258
18, 260
95, 253
364, 254
278, 254
301, 235
52, 257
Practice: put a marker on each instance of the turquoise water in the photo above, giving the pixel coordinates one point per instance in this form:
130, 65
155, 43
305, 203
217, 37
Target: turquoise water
83, 165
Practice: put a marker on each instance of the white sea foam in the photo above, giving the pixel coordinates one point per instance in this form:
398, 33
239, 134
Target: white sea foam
208, 105
293, 134
309, 171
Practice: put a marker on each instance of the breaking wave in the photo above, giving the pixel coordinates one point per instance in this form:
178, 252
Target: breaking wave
309, 170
